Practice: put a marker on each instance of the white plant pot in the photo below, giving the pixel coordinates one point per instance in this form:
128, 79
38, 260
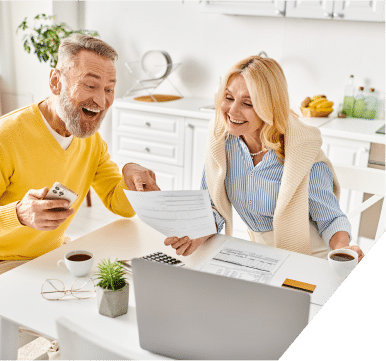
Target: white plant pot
113, 303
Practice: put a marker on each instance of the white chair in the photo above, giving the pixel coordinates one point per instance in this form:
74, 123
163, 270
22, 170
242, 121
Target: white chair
364, 180
75, 343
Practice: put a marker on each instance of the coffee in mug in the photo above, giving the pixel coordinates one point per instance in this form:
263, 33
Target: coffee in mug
78, 262
79, 257
343, 261
343, 257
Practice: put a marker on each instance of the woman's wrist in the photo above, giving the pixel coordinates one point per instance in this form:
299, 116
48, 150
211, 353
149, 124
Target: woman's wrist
340, 239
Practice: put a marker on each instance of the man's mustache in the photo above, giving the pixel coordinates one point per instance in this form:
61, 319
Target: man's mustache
92, 106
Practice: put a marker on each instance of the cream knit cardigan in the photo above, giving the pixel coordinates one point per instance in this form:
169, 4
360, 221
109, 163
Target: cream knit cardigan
291, 216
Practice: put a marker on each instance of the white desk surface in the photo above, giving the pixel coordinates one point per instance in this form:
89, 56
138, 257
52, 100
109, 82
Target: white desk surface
22, 303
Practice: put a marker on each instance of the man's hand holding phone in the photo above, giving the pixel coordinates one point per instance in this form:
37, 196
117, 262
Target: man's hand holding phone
43, 214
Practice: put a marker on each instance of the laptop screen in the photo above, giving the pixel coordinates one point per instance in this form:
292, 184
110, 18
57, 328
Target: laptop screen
188, 314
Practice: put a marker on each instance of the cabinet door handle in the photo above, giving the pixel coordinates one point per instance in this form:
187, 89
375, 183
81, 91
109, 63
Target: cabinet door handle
147, 149
338, 15
279, 12
189, 126
148, 124
359, 152
328, 15
362, 150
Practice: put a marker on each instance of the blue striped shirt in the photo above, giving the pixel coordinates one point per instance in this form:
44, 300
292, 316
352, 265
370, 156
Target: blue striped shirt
253, 191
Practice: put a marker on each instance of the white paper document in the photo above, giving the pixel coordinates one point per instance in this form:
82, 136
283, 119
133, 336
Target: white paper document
245, 261
175, 213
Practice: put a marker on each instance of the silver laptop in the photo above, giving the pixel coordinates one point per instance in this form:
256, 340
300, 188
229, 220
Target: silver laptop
188, 314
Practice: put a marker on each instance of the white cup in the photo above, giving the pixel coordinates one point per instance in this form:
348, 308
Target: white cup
343, 268
78, 268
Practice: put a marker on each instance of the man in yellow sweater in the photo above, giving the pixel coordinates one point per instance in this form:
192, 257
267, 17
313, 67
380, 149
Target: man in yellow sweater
56, 140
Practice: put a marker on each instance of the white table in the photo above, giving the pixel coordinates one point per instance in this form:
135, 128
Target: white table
22, 304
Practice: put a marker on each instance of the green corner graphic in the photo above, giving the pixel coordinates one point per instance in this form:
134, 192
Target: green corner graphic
351, 326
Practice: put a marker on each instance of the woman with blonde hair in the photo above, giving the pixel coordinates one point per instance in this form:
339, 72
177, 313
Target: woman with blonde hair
264, 161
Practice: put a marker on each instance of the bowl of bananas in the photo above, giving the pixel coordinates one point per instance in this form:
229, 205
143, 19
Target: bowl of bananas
317, 106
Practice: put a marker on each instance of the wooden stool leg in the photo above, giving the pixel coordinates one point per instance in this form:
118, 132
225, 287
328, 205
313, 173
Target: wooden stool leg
88, 198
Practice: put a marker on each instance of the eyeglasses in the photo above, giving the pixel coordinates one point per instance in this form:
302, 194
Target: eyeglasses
82, 288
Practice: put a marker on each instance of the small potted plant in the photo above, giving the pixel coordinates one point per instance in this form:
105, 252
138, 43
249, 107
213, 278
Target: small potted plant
112, 289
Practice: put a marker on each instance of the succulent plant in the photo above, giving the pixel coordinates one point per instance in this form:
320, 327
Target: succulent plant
111, 275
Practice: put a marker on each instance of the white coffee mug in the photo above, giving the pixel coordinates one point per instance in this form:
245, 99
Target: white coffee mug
76, 264
343, 268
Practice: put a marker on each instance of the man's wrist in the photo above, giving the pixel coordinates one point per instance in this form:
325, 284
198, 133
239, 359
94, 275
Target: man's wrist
128, 164
17, 211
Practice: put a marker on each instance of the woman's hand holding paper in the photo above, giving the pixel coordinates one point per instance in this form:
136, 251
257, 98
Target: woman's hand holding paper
185, 246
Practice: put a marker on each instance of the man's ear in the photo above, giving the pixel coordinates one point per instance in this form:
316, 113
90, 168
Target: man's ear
55, 83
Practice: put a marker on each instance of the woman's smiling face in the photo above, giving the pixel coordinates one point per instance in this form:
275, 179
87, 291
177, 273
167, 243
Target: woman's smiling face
237, 109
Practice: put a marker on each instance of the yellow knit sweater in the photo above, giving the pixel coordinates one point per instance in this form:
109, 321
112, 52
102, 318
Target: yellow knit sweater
291, 216
31, 158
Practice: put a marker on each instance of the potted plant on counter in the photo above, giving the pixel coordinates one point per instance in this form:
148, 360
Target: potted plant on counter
112, 289
44, 37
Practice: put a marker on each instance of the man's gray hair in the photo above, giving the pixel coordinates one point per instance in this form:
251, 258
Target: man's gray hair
71, 46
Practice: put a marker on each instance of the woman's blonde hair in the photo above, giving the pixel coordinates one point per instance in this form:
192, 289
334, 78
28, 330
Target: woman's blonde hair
267, 87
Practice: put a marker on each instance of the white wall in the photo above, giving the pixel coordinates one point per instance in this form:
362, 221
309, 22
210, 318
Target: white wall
317, 55
23, 79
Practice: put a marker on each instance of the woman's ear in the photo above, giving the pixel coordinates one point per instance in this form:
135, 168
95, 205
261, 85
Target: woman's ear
55, 83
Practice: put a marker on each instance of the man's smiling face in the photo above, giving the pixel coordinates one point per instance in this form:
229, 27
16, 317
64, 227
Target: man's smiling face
87, 92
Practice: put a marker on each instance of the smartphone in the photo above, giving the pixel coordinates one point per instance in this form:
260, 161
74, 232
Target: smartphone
59, 191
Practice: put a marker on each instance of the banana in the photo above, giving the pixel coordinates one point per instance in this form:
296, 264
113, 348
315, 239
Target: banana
327, 109
326, 104
318, 103
315, 102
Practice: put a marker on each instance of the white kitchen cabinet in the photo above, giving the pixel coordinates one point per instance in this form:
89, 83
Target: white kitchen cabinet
169, 138
348, 152
337, 10
261, 8
168, 177
359, 10
196, 135
327, 10
309, 9
348, 141
148, 136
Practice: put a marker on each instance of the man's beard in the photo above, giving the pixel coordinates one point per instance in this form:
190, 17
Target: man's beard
71, 115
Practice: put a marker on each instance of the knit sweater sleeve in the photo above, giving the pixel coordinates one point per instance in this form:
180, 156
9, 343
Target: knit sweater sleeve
108, 183
215, 168
8, 217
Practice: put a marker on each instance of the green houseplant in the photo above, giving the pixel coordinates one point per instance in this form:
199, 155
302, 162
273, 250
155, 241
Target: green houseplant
112, 289
44, 37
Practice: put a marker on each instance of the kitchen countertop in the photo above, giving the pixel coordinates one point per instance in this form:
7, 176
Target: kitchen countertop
348, 128
355, 129
185, 107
